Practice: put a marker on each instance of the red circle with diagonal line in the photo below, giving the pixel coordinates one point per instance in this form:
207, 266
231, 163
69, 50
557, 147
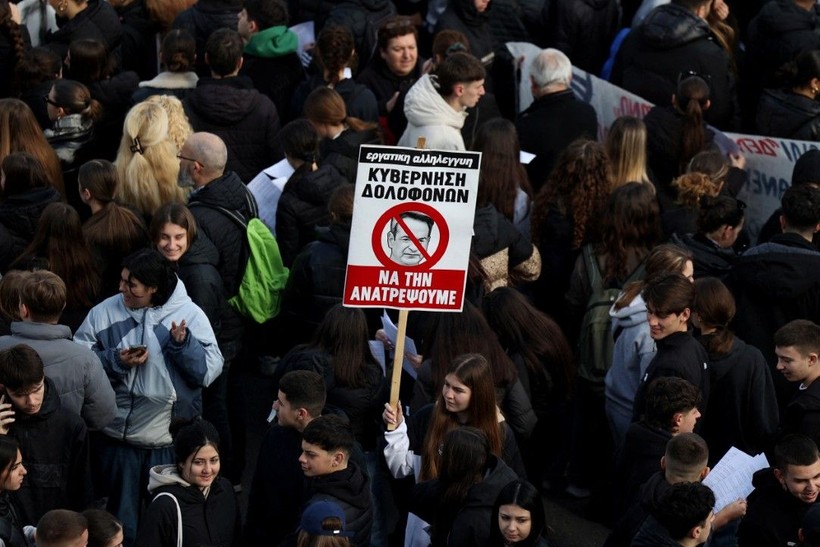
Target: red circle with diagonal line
395, 212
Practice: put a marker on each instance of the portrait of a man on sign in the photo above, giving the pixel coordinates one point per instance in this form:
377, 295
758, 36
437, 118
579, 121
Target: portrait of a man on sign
408, 238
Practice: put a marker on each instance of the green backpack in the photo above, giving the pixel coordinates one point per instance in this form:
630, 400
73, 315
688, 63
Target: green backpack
596, 342
260, 291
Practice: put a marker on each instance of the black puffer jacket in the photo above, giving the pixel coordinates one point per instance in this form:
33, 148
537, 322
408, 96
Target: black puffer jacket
343, 151
197, 269
202, 19
244, 118
316, 282
462, 15
20, 213
584, 30
709, 259
360, 102
98, 21
277, 78
302, 207
139, 50
638, 459
350, 489
228, 237
783, 113
672, 40
114, 94
363, 18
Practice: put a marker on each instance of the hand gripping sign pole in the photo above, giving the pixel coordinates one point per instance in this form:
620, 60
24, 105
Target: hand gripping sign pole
398, 357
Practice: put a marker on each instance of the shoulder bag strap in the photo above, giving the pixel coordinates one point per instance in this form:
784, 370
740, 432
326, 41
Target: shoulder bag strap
179, 515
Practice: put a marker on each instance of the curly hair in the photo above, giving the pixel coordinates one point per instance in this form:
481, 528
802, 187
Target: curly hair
335, 49
578, 187
146, 161
179, 128
692, 187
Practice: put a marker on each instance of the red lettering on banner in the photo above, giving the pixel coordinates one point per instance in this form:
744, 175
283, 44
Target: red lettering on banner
760, 147
375, 286
628, 107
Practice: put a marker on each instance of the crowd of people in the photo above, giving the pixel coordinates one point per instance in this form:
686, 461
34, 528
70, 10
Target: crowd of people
624, 326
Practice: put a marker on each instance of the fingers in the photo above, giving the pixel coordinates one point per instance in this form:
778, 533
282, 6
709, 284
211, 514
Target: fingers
392, 415
6, 417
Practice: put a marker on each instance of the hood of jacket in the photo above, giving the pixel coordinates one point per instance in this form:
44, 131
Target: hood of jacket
424, 106
721, 365
164, 475
468, 13
202, 251
227, 191
486, 225
708, 256
646, 441
335, 234
671, 26
225, 101
784, 16
485, 493
317, 186
272, 42
349, 486
653, 489
783, 272
629, 316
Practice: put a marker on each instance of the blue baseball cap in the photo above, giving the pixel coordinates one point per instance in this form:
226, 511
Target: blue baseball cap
316, 513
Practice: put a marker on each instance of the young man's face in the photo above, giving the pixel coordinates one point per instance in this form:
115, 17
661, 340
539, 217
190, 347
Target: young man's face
661, 326
802, 481
706, 529
471, 92
794, 365
316, 461
286, 414
28, 400
687, 421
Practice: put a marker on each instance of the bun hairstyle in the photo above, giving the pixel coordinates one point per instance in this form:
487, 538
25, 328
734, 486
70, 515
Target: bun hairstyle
75, 98
800, 71
178, 51
190, 436
719, 211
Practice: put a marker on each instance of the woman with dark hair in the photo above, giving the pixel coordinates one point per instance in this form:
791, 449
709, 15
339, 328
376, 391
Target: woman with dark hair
503, 181
35, 73
113, 231
675, 134
335, 53
546, 367
452, 334
25, 193
159, 350
565, 216
792, 112
459, 502
178, 57
341, 133
634, 347
303, 204
59, 246
192, 505
720, 221
74, 114
742, 407
104, 530
19, 132
518, 517
10, 285
77, 19
14, 41
88, 62
12, 474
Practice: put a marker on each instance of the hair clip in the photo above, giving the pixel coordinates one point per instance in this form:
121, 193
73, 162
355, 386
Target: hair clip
136, 147
455, 48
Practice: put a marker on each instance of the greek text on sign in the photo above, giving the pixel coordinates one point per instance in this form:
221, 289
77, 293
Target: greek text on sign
412, 227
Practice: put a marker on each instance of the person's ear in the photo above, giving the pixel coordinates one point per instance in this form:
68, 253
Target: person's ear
783, 223
338, 459
252, 26
707, 104
240, 63
685, 314
812, 358
778, 474
677, 418
458, 90
705, 472
663, 463
24, 311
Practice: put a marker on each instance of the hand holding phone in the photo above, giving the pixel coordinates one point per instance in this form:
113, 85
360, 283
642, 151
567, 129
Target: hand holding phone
134, 356
6, 415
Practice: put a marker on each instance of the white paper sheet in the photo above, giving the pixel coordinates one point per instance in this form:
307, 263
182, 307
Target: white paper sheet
377, 349
731, 479
392, 331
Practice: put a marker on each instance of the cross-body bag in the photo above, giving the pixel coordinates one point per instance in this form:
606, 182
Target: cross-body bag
179, 515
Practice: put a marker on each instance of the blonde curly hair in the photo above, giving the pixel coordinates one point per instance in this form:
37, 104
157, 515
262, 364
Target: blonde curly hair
179, 128
692, 187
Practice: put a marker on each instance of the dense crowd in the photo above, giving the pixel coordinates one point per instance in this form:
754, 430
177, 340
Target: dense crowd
177, 186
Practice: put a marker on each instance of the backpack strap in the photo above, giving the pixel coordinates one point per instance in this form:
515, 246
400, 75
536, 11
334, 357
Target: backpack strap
233, 215
593, 272
179, 514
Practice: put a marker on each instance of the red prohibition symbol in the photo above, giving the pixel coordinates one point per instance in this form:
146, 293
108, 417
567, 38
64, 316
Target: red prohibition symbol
394, 213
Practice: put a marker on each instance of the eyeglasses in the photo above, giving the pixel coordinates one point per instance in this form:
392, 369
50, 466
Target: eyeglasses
48, 100
181, 157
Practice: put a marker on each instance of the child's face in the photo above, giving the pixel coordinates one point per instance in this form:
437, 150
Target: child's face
28, 400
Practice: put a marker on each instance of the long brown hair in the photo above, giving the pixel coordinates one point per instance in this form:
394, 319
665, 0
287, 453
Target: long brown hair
577, 187
691, 98
343, 334
12, 30
663, 259
715, 308
502, 173
473, 371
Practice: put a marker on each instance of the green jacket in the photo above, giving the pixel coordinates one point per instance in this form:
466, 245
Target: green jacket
272, 42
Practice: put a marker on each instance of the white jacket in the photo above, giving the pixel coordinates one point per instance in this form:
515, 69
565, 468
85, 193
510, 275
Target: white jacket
429, 116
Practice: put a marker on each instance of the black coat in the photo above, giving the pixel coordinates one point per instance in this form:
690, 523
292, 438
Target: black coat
638, 459
672, 41
773, 515
8, 61
343, 151
114, 94
803, 412
653, 534
228, 237
363, 18
202, 19
493, 232
548, 126
139, 36
19, 215
242, 117
302, 207
350, 489
10, 521
627, 527
709, 259
461, 15
468, 524
384, 83
212, 521
681, 356
360, 102
55, 442
98, 21
783, 113
276, 77
742, 408
584, 30
558, 257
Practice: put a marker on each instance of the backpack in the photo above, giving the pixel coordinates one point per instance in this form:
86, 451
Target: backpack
260, 290
595, 343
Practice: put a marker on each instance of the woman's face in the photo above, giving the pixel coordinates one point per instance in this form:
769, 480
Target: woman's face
53, 110
481, 5
173, 241
401, 54
12, 478
514, 522
455, 394
135, 294
202, 467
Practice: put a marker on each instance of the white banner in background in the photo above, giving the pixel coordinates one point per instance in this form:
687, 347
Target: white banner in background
769, 160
